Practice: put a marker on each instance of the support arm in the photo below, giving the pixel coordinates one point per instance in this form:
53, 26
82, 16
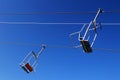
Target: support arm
40, 52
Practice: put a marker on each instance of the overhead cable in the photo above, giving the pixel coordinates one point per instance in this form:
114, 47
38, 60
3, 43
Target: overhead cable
55, 23
57, 46
62, 12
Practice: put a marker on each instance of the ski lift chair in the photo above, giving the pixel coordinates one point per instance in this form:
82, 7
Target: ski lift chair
29, 63
84, 38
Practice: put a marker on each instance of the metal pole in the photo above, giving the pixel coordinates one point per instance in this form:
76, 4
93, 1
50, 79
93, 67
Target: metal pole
99, 11
40, 52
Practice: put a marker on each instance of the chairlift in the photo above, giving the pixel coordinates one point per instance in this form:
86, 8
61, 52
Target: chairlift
84, 37
30, 62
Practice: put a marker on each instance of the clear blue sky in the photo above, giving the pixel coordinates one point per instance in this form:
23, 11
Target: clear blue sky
58, 63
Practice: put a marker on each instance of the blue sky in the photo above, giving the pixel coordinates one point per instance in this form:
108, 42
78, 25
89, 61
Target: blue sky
58, 63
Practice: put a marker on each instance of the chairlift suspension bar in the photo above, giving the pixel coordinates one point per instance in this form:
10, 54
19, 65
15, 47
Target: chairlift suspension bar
99, 11
40, 52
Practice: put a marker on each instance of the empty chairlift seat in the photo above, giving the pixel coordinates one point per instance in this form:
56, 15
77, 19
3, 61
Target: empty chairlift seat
30, 61
86, 46
28, 66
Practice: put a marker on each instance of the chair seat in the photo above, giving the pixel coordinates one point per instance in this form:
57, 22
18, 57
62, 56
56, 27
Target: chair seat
86, 46
29, 67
